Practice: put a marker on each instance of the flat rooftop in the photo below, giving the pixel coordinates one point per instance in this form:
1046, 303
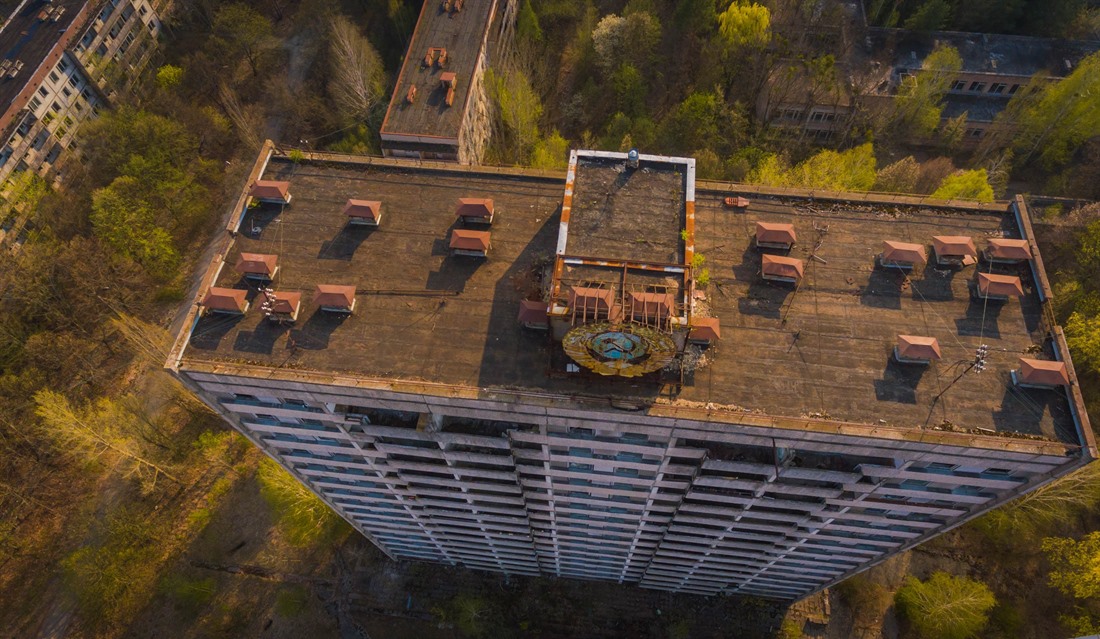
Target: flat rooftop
462, 34
986, 53
25, 38
821, 351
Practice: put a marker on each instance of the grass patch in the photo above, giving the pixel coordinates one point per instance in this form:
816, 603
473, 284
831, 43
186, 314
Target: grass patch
188, 594
291, 601
304, 519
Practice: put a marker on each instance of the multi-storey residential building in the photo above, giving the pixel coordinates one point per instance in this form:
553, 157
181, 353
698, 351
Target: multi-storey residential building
62, 62
867, 77
578, 403
440, 109
994, 68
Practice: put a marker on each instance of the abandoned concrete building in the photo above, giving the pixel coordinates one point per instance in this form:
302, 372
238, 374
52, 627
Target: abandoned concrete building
612, 390
868, 76
62, 62
439, 109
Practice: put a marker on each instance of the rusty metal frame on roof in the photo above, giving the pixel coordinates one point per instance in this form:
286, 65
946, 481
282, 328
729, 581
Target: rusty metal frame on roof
562, 258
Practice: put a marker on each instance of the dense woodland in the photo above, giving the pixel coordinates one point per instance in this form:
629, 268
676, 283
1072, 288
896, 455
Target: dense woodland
114, 485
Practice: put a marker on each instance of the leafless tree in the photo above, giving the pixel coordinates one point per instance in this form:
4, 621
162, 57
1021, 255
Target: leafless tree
356, 85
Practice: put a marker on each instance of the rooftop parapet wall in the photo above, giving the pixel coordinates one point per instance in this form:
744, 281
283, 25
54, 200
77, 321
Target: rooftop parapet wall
825, 363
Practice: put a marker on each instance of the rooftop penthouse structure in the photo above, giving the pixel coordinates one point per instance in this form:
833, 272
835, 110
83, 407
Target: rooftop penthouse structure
575, 403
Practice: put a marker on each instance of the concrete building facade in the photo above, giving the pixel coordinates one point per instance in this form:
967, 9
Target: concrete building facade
789, 454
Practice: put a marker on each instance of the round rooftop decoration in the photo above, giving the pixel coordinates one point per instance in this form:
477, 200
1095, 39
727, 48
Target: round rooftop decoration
626, 350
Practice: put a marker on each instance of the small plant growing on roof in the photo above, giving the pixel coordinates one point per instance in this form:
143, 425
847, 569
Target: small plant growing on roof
684, 234
698, 260
296, 155
703, 278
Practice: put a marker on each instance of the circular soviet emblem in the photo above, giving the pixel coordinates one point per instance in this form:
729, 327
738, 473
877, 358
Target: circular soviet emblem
627, 351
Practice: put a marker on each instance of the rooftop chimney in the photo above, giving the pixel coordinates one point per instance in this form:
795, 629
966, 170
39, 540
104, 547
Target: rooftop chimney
336, 298
410, 96
258, 265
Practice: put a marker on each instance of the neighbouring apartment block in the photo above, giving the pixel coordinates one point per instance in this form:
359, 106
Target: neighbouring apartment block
63, 61
440, 108
822, 107
532, 374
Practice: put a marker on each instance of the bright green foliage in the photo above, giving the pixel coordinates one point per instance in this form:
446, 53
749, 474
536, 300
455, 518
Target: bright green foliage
945, 606
303, 518
851, 170
104, 430
527, 24
23, 191
1088, 251
1083, 326
169, 76
931, 16
1054, 121
745, 24
518, 110
1074, 565
919, 99
126, 221
551, 152
360, 139
966, 185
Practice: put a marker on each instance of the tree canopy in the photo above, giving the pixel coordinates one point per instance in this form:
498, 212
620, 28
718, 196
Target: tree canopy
851, 170
919, 100
967, 185
1074, 565
945, 606
1054, 120
745, 24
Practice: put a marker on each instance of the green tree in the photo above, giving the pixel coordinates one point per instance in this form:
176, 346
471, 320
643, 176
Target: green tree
125, 221
850, 170
745, 24
169, 76
630, 90
631, 39
966, 185
701, 121
516, 114
528, 29
105, 429
945, 606
1083, 326
551, 152
241, 31
918, 105
1074, 565
1053, 120
931, 16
